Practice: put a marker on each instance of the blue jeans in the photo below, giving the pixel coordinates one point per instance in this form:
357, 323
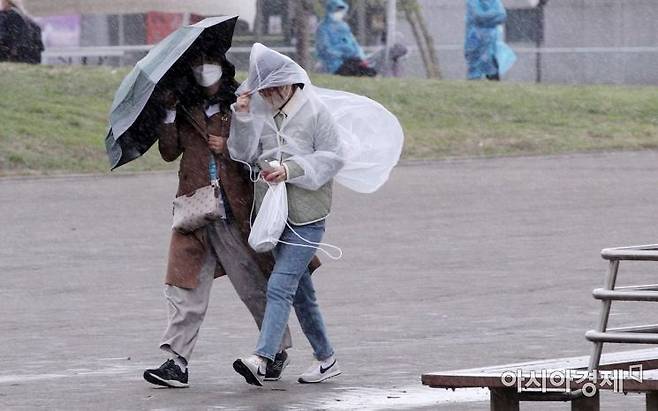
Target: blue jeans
290, 285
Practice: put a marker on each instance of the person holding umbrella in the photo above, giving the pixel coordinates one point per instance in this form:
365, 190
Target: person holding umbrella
180, 95
196, 259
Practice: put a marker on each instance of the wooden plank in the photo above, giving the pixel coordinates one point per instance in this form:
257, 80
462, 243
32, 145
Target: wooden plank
649, 382
493, 380
609, 361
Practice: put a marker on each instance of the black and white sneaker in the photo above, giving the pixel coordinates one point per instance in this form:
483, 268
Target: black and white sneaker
276, 367
320, 371
168, 375
252, 368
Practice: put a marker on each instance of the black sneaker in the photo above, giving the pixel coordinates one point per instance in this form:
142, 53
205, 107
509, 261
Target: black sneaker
252, 368
168, 375
276, 367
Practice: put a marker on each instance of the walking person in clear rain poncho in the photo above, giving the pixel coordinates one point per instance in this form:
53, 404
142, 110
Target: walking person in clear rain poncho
284, 124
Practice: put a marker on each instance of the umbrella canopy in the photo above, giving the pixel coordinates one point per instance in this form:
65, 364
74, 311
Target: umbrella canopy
126, 139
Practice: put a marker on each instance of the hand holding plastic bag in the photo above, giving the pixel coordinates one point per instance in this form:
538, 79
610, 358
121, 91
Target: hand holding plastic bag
271, 220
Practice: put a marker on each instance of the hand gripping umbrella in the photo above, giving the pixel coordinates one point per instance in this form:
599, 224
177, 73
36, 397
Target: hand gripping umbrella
134, 116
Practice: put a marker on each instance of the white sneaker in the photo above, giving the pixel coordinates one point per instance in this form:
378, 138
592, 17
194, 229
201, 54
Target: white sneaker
252, 368
320, 371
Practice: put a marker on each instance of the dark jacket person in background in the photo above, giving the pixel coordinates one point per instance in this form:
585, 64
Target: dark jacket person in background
20, 36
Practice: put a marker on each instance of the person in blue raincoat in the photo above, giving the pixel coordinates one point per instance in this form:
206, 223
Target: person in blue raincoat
487, 56
336, 46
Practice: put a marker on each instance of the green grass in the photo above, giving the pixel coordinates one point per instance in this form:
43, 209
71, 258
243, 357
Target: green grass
53, 119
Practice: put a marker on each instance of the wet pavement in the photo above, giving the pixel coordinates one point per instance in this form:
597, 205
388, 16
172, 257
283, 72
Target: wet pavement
453, 264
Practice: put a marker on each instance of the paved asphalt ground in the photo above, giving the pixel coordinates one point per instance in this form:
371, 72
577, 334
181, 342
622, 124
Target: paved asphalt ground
453, 264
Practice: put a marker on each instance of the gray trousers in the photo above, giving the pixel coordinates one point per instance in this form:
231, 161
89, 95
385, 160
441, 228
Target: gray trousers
187, 307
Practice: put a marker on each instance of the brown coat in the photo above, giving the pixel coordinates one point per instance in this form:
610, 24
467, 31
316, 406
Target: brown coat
188, 252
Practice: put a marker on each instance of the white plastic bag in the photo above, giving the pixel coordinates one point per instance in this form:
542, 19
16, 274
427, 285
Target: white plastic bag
271, 219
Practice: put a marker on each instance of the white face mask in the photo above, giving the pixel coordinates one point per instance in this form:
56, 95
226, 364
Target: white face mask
338, 15
207, 74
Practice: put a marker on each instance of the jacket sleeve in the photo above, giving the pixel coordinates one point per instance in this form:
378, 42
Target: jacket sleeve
168, 142
312, 171
243, 143
293, 170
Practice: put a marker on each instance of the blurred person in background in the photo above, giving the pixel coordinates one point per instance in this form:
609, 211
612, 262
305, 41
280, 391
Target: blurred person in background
487, 56
336, 46
396, 54
20, 36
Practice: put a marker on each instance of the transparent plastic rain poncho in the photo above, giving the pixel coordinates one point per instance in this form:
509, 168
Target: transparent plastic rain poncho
331, 134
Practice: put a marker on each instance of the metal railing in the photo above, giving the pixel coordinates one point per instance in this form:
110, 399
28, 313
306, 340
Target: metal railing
122, 51
637, 334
